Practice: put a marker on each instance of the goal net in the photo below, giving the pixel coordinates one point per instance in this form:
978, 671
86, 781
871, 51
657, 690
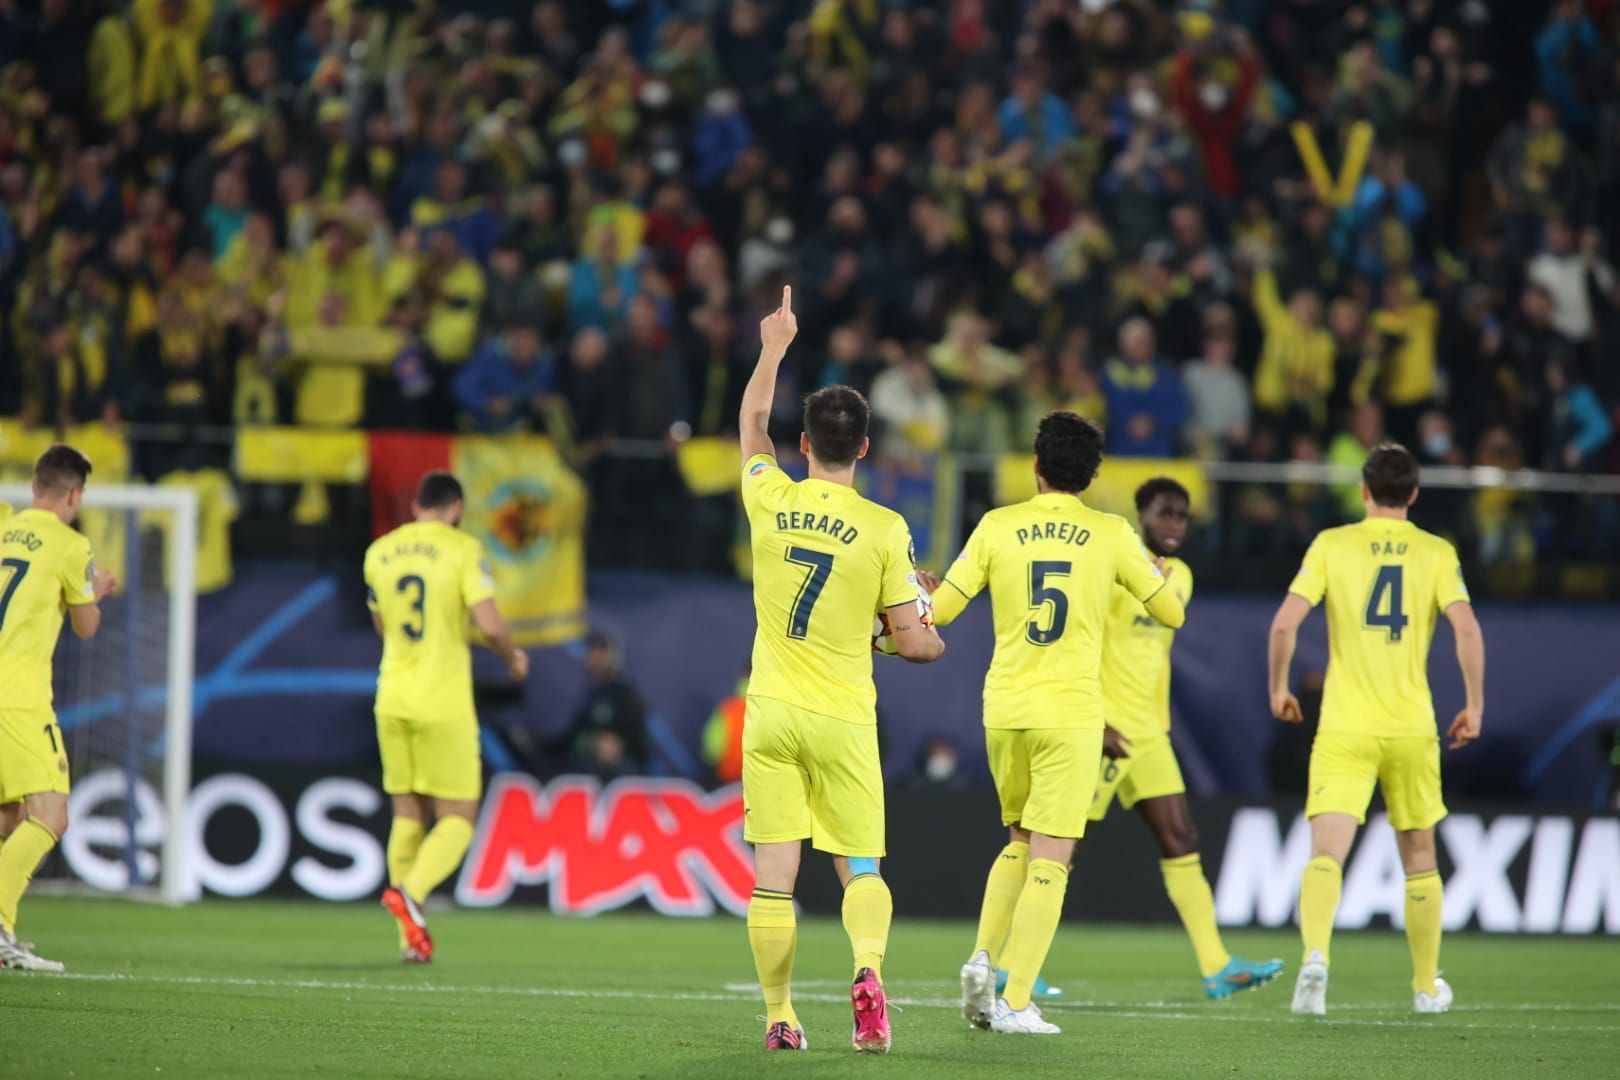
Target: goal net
123, 699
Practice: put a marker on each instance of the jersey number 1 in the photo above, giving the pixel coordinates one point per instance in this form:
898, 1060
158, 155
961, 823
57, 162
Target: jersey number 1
14, 570
820, 564
1041, 594
1387, 614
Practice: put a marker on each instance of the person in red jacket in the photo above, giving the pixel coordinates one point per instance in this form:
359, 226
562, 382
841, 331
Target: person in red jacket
1213, 109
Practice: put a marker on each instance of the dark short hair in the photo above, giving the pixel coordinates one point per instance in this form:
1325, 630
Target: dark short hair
836, 419
61, 469
438, 490
1159, 485
1068, 451
1391, 474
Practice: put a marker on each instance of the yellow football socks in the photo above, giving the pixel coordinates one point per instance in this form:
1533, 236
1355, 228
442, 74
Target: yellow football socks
773, 935
1423, 908
1318, 903
1189, 891
1001, 893
1034, 924
441, 852
868, 909
19, 858
404, 841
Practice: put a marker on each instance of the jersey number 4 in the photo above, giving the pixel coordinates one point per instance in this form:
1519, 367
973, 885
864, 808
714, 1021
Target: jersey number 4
1384, 610
1040, 594
820, 564
12, 572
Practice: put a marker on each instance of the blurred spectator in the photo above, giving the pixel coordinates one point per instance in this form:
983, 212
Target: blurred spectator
512, 291
1572, 278
909, 406
171, 32
1577, 426
608, 737
1349, 450
938, 766
1566, 51
509, 383
1217, 397
723, 733
1034, 114
1402, 369
1146, 401
1296, 368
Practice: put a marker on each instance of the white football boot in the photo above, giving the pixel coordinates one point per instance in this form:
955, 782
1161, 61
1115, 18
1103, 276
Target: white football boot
1310, 989
978, 990
1437, 1002
1025, 1021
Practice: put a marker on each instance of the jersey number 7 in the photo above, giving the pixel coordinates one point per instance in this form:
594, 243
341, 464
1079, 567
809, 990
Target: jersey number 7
1384, 610
15, 570
820, 564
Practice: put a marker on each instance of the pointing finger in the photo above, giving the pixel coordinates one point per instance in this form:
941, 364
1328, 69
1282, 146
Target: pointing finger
787, 298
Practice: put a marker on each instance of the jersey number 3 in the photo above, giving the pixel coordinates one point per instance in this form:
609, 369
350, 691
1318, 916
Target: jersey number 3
12, 572
1041, 594
1384, 610
418, 606
820, 564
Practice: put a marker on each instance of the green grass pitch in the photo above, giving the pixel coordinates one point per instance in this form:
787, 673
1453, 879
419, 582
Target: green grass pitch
276, 989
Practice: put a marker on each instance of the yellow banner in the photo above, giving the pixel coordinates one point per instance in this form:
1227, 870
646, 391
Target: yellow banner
1114, 489
710, 465
290, 455
528, 509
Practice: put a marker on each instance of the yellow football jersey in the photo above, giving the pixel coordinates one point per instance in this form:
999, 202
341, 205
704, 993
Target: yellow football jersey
422, 579
1386, 581
1051, 564
44, 568
826, 561
1136, 660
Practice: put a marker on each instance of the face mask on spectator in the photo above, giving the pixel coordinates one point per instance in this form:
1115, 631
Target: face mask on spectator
1144, 104
571, 153
666, 162
722, 102
779, 230
1213, 95
1437, 444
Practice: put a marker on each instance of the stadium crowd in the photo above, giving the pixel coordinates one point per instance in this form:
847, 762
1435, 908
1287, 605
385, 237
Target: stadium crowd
1259, 231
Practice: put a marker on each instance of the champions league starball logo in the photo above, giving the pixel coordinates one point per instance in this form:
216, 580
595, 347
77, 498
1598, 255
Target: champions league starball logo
520, 522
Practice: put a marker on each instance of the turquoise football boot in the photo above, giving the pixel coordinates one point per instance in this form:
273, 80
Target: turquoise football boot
1240, 974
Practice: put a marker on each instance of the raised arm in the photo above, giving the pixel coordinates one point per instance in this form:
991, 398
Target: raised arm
1471, 659
776, 333
1280, 656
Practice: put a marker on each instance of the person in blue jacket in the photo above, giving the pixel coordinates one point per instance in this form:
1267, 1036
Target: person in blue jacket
1147, 404
507, 383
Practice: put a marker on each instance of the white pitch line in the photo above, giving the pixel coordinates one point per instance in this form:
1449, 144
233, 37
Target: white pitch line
1121, 1010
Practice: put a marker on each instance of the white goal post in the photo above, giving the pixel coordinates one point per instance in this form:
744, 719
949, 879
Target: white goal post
179, 660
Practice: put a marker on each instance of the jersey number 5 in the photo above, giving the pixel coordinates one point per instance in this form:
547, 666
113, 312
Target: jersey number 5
418, 605
1384, 610
1041, 594
820, 564
13, 571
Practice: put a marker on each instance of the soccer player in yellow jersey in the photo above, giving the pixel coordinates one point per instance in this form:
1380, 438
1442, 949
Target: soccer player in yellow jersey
1385, 581
45, 569
1139, 764
825, 562
422, 581
1051, 565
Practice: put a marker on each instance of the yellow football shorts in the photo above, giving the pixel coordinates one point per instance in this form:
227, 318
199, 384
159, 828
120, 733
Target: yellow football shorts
809, 776
1150, 772
1045, 776
33, 757
1344, 768
430, 757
